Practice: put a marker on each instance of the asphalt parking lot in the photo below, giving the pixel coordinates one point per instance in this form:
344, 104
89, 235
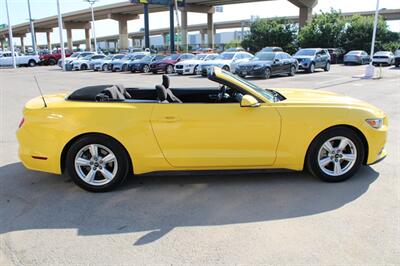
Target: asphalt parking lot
202, 219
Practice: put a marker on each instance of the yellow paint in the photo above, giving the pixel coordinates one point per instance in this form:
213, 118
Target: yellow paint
163, 137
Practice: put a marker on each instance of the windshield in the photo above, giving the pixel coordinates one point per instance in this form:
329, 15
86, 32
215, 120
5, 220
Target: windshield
74, 55
354, 52
225, 56
147, 58
200, 57
87, 57
172, 57
269, 94
306, 52
118, 56
263, 56
136, 57
211, 57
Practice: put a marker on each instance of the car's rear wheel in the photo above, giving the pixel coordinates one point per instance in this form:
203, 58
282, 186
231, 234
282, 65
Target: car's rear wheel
292, 71
52, 62
124, 68
327, 66
335, 155
97, 163
226, 68
104, 67
146, 69
32, 63
84, 67
170, 69
195, 70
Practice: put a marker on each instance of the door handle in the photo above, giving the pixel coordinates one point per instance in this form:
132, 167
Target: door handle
170, 119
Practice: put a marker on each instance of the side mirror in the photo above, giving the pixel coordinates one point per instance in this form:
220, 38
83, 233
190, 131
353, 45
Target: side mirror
276, 60
249, 101
318, 55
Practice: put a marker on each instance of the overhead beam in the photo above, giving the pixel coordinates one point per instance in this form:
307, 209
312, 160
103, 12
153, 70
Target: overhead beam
119, 17
304, 3
76, 25
198, 9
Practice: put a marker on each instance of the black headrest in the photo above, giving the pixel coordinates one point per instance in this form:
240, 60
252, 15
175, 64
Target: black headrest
161, 93
165, 81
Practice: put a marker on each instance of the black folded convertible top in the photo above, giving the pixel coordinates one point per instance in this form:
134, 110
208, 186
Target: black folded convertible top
87, 93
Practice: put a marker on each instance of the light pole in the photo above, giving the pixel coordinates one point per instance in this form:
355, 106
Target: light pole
60, 29
91, 2
32, 28
370, 69
10, 37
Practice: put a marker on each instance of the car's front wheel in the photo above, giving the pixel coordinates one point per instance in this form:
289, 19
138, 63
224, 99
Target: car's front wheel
335, 155
327, 66
170, 69
52, 62
292, 71
32, 63
311, 68
146, 69
104, 67
267, 73
97, 163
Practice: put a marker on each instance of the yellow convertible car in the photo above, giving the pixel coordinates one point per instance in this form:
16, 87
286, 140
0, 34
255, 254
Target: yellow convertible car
101, 134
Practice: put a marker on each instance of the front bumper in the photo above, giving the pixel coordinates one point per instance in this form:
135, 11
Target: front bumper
185, 70
258, 72
158, 67
381, 61
304, 64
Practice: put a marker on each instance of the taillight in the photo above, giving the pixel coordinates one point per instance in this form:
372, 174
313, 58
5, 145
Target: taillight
21, 123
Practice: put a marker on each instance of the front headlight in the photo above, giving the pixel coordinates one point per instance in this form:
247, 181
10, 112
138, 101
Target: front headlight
375, 122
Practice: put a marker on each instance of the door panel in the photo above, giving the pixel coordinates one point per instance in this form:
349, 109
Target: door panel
216, 135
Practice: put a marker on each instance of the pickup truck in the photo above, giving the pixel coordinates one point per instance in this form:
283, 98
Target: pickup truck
51, 59
21, 60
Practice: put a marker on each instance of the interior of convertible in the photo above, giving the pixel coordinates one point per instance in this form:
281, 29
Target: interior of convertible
161, 93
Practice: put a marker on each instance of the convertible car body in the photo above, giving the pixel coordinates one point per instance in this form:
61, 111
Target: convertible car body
101, 134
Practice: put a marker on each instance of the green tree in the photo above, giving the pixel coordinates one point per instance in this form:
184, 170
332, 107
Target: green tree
324, 30
358, 34
275, 32
233, 44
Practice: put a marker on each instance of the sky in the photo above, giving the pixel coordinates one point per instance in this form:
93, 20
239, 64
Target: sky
44, 8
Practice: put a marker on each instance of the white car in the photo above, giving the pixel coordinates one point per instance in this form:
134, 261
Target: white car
20, 59
383, 58
83, 63
103, 64
191, 66
75, 56
227, 61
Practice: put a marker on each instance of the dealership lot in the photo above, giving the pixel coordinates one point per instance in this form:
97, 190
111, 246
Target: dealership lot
213, 218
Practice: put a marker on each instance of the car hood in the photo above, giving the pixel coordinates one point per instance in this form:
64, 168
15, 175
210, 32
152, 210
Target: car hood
256, 62
317, 97
119, 61
165, 62
303, 56
190, 62
217, 62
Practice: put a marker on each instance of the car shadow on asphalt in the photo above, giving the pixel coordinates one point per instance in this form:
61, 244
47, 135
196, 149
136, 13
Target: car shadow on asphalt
155, 204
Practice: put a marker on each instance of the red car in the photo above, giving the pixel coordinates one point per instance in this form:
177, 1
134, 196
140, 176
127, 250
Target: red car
51, 59
167, 64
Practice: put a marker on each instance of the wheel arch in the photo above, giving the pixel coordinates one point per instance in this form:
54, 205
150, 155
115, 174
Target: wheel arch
354, 129
71, 141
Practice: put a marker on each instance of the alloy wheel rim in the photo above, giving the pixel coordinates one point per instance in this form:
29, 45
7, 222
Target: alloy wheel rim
337, 156
146, 68
267, 73
312, 67
169, 69
96, 164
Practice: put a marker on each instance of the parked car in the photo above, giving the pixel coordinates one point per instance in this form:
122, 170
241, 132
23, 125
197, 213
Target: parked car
227, 61
397, 58
20, 59
96, 59
143, 65
167, 64
271, 49
103, 64
192, 66
356, 57
383, 58
233, 125
122, 64
75, 56
235, 49
204, 51
267, 64
336, 54
47, 58
312, 58
83, 63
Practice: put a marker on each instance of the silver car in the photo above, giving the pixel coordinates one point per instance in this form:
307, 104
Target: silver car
356, 57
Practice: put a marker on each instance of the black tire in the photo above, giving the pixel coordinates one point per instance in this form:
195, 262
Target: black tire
196, 68
154, 71
83, 67
124, 68
397, 65
32, 63
292, 71
226, 68
121, 156
267, 73
52, 62
327, 66
104, 67
313, 153
169, 69
311, 68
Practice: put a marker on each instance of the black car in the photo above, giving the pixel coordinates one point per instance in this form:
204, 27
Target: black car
266, 64
336, 54
143, 65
